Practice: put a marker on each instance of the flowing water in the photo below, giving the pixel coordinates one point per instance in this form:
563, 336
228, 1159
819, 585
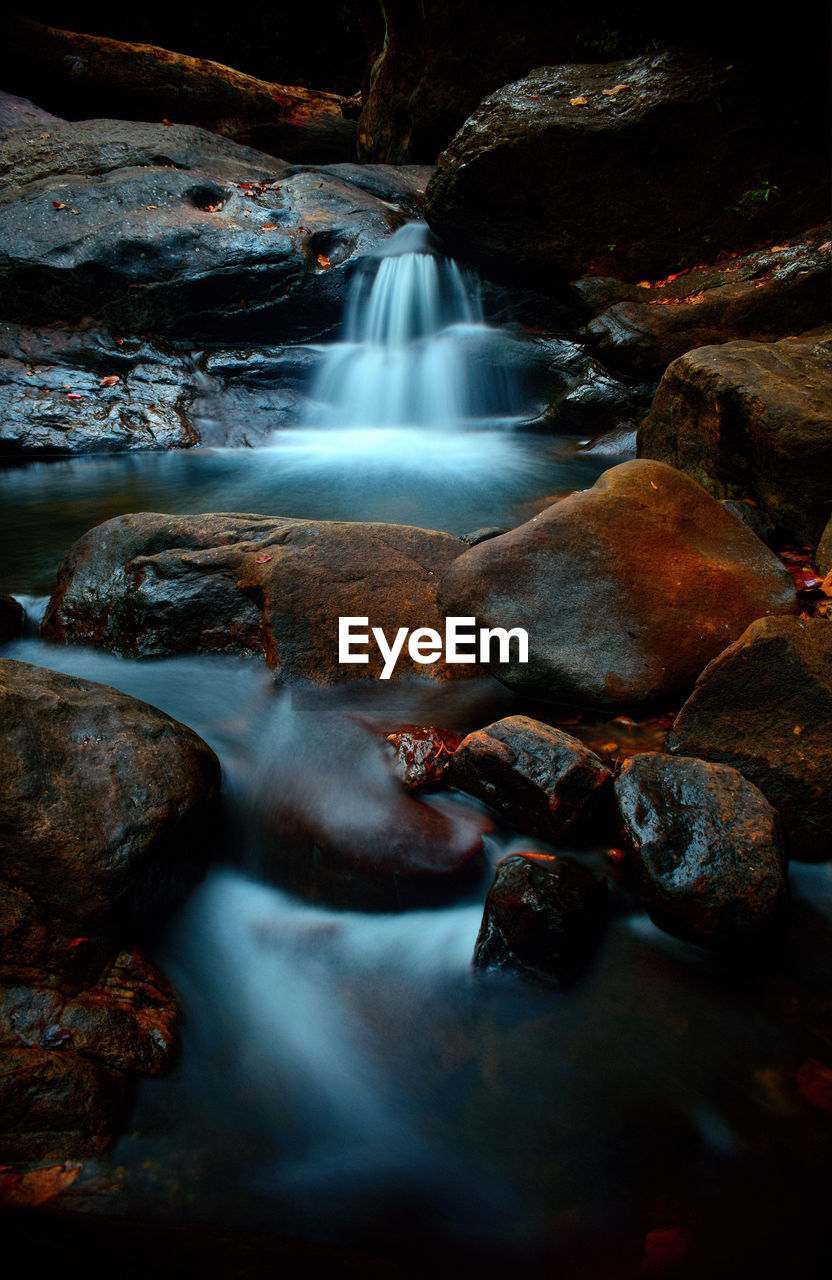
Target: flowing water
345, 1076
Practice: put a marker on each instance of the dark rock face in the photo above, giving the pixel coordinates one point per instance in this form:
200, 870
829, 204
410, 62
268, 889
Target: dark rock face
764, 706
705, 848
767, 294
105, 803
543, 780
11, 618
626, 590
543, 917
751, 420
166, 230
79, 75
151, 585
421, 753
19, 113
566, 171
99, 793
66, 1056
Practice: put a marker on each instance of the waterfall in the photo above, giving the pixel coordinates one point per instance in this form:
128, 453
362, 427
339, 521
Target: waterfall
416, 351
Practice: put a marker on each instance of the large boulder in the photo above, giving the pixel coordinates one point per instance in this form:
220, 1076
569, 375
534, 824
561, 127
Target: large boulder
626, 589
752, 420
766, 294
764, 706
543, 917
632, 168
541, 779
170, 229
103, 799
705, 850
77, 75
150, 585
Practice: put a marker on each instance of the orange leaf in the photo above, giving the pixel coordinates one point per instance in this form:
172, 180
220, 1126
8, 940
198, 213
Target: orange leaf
56, 204
578, 102
323, 261
268, 226
110, 380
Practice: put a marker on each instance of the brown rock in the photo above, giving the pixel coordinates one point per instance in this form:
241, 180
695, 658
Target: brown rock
764, 706
763, 295
422, 753
751, 420
543, 780
626, 590
705, 849
86, 75
150, 584
56, 1104
543, 917
823, 556
99, 794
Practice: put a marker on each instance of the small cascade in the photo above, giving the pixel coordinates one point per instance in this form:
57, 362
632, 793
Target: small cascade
416, 351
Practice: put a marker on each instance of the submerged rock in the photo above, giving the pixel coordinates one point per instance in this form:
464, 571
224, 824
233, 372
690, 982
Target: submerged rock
79, 75
705, 849
751, 420
767, 294
542, 780
543, 917
149, 584
764, 706
102, 797
626, 590
579, 168
170, 229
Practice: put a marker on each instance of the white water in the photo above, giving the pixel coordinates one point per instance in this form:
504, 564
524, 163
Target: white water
416, 351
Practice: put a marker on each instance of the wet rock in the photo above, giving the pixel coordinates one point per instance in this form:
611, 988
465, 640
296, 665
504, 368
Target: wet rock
705, 849
764, 706
150, 228
105, 802
565, 171
12, 618
751, 420
767, 294
149, 585
477, 536
57, 1104
422, 753
19, 113
543, 917
626, 590
126, 1022
82, 75
543, 780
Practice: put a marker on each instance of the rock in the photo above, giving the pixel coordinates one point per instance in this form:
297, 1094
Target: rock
764, 706
542, 780
543, 917
173, 230
57, 1104
767, 294
79, 75
824, 552
751, 420
12, 618
705, 849
626, 590
19, 113
147, 585
421, 753
104, 801
565, 172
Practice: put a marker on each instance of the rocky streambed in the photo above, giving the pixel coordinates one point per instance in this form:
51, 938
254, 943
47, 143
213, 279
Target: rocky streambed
508, 963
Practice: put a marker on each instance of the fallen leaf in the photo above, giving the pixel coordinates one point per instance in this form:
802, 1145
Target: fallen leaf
613, 93
578, 102
74, 395
269, 226
110, 380
75, 942
75, 211
167, 122
323, 261
644, 284
56, 204
28, 1190
263, 559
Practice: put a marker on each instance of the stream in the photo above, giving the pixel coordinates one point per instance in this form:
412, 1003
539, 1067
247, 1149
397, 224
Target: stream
345, 1076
